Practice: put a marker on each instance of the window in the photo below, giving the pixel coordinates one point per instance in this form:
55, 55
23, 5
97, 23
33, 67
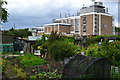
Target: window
95, 26
72, 22
84, 22
77, 22
95, 22
76, 31
95, 30
84, 28
84, 18
95, 18
69, 21
104, 25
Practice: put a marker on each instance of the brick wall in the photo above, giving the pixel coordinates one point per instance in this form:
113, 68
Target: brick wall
106, 25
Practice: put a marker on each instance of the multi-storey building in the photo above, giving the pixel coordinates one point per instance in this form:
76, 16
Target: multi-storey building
36, 31
92, 20
63, 28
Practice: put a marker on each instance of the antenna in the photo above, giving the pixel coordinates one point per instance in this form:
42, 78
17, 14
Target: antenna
60, 15
14, 26
65, 15
83, 5
69, 14
93, 0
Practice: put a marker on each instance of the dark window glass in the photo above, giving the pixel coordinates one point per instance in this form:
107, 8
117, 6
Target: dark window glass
95, 22
84, 22
84, 18
95, 26
95, 18
95, 30
84, 30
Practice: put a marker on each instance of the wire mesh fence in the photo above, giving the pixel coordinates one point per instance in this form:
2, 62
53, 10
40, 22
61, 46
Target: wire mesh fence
87, 67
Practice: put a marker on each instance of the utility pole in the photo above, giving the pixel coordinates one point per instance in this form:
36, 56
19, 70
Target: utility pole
14, 25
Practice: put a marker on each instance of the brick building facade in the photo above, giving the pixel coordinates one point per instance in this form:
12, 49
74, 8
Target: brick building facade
92, 20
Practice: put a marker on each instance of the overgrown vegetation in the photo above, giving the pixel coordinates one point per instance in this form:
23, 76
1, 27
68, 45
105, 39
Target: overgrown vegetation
117, 29
96, 39
48, 75
58, 47
59, 50
31, 60
3, 12
110, 50
23, 33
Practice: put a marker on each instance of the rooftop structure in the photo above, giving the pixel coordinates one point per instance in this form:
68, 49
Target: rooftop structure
92, 20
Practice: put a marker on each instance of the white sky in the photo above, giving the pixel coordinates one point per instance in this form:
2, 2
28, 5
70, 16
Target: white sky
32, 13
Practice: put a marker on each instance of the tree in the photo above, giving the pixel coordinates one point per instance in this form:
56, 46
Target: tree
117, 29
19, 33
3, 12
60, 47
59, 50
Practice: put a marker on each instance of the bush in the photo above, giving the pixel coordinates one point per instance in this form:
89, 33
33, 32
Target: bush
48, 75
96, 39
31, 60
61, 49
106, 49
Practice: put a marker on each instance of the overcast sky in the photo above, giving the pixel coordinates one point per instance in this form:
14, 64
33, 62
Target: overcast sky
32, 13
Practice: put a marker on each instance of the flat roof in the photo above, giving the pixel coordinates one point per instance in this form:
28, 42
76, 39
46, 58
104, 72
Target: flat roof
54, 24
72, 17
95, 13
37, 27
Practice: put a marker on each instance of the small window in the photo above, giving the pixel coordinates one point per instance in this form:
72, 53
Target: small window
84, 30
84, 22
95, 14
84, 18
95, 26
95, 22
104, 25
95, 18
95, 30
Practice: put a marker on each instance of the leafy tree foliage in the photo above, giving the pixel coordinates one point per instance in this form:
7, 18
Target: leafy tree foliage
19, 33
111, 50
61, 49
40, 42
58, 47
117, 29
96, 39
3, 11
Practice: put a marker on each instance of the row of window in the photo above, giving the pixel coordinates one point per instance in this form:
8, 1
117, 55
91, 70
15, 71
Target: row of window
84, 23
95, 24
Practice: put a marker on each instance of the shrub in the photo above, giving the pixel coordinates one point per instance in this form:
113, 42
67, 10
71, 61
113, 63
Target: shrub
31, 60
106, 49
61, 49
48, 75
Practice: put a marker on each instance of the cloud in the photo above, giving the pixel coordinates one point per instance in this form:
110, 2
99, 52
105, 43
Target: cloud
31, 13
